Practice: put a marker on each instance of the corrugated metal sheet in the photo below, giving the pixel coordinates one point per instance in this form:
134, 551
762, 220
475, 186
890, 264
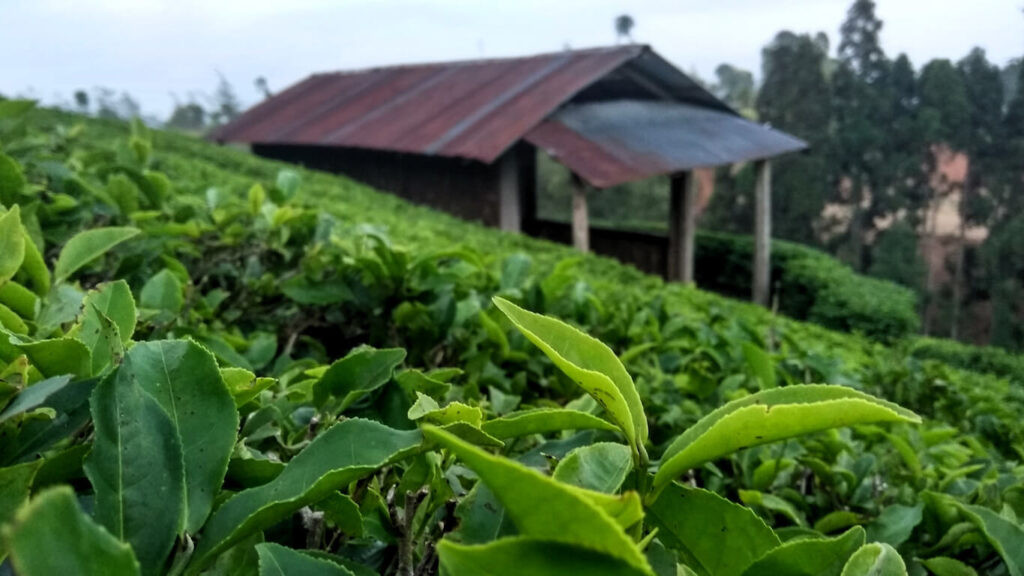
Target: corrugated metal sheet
474, 109
609, 143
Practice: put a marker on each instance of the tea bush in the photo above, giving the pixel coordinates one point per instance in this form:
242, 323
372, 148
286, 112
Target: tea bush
214, 364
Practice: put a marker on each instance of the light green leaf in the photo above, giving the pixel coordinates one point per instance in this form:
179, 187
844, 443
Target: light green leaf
114, 300
589, 362
12, 243
104, 341
1005, 536
346, 452
760, 364
136, 468
162, 292
837, 520
472, 434
53, 536
875, 559
895, 524
244, 385
87, 246
184, 379
810, 556
773, 503
358, 373
276, 560
19, 299
11, 321
12, 180
773, 415
427, 409
544, 421
542, 507
533, 556
943, 566
601, 467
34, 266
701, 524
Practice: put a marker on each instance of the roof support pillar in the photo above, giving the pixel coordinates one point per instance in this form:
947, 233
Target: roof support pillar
682, 226
762, 232
509, 213
580, 218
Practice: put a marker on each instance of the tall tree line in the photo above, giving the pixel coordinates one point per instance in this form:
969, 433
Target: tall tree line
881, 133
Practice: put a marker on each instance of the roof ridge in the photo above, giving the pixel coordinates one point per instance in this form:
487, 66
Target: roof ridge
634, 48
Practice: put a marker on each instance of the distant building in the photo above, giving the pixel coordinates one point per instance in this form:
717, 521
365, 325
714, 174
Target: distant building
463, 136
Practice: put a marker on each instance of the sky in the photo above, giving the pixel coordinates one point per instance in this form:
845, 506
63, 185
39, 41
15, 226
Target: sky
162, 51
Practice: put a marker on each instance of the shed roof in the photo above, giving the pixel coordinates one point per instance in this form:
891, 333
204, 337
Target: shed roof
609, 143
472, 109
478, 109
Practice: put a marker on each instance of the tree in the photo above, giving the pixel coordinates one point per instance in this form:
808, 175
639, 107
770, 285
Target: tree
795, 98
263, 87
82, 101
224, 106
736, 87
624, 28
112, 106
187, 117
862, 119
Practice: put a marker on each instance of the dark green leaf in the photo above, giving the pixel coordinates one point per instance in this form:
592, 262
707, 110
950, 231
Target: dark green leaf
136, 468
185, 381
276, 560
701, 524
348, 451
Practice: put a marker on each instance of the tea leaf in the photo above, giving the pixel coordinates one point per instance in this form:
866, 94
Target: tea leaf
136, 468
184, 379
875, 559
589, 362
53, 536
12, 243
701, 524
534, 556
348, 451
87, 246
544, 421
277, 560
809, 557
542, 507
773, 415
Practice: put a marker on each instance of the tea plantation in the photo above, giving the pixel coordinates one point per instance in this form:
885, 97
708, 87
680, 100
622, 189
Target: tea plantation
216, 364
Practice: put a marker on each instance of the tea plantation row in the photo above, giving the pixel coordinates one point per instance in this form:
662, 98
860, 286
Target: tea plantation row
215, 364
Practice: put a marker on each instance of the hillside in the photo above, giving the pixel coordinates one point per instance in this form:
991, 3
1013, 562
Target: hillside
279, 272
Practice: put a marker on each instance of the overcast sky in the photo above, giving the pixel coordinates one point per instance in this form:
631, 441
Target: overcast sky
159, 49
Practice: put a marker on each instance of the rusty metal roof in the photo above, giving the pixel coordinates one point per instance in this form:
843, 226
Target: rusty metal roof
473, 109
610, 114
609, 143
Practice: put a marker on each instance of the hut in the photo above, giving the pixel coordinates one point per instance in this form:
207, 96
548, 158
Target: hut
463, 137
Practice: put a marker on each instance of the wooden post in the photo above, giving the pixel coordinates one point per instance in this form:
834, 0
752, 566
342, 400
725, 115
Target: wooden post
762, 232
682, 226
580, 219
509, 214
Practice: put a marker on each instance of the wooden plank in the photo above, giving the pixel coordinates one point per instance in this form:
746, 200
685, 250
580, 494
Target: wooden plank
580, 218
509, 213
762, 232
682, 226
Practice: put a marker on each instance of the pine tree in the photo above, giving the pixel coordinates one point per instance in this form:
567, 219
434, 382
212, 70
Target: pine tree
795, 98
862, 118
